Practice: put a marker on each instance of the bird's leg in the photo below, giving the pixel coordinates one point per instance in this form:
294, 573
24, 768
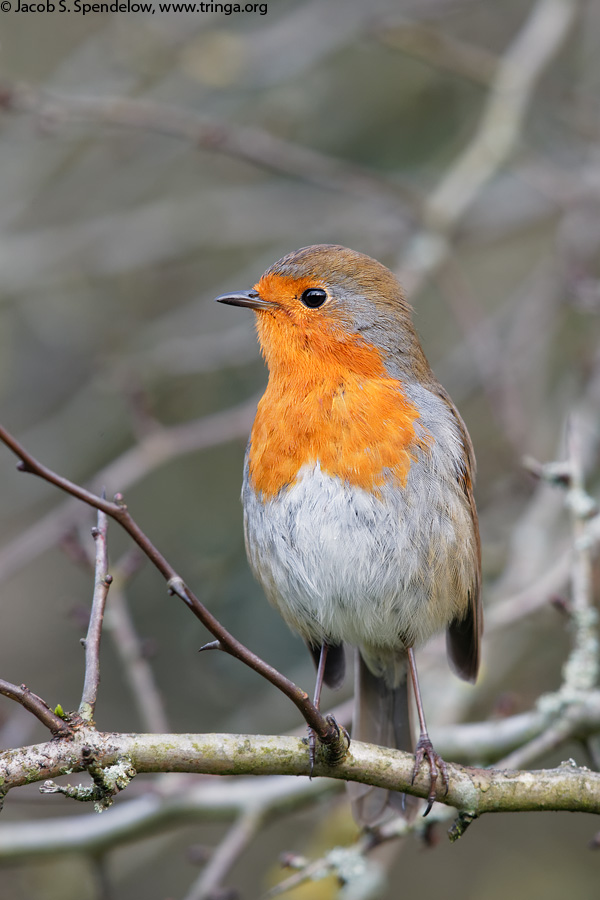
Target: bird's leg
312, 739
424, 748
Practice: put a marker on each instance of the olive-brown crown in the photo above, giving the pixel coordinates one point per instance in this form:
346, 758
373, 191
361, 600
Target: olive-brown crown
351, 279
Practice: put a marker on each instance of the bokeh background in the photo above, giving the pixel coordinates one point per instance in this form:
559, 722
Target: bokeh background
149, 162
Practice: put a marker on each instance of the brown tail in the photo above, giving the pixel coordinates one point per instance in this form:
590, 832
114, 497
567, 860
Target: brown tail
381, 716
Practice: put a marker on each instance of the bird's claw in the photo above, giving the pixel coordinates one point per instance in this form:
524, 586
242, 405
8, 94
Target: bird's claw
437, 766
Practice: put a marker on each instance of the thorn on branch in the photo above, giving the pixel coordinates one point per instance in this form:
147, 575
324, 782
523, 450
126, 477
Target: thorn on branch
178, 587
212, 645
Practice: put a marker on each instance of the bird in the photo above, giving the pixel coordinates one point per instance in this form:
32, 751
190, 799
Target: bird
359, 517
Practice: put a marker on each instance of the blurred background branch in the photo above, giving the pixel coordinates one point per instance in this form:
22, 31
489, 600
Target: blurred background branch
500, 128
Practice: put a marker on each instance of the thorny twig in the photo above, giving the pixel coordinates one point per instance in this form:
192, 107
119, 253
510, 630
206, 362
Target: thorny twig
91, 643
120, 626
37, 706
135, 464
325, 729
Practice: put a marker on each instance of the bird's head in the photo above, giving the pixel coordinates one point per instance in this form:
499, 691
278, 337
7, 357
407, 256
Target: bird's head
328, 301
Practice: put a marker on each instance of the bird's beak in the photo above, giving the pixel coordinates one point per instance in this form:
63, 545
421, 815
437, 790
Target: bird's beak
250, 299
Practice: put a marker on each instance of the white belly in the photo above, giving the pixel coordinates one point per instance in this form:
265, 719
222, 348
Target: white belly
344, 565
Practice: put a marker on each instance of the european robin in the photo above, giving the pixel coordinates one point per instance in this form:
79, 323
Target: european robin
359, 516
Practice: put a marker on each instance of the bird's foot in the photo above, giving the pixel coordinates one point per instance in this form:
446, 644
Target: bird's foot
437, 766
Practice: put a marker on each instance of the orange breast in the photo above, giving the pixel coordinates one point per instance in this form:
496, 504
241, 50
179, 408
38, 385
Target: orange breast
329, 399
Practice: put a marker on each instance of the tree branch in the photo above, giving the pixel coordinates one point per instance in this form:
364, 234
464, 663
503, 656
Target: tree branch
325, 729
102, 582
130, 468
194, 800
439, 49
239, 836
476, 791
517, 74
582, 667
37, 706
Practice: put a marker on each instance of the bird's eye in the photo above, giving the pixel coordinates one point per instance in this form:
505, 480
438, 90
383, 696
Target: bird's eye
313, 298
